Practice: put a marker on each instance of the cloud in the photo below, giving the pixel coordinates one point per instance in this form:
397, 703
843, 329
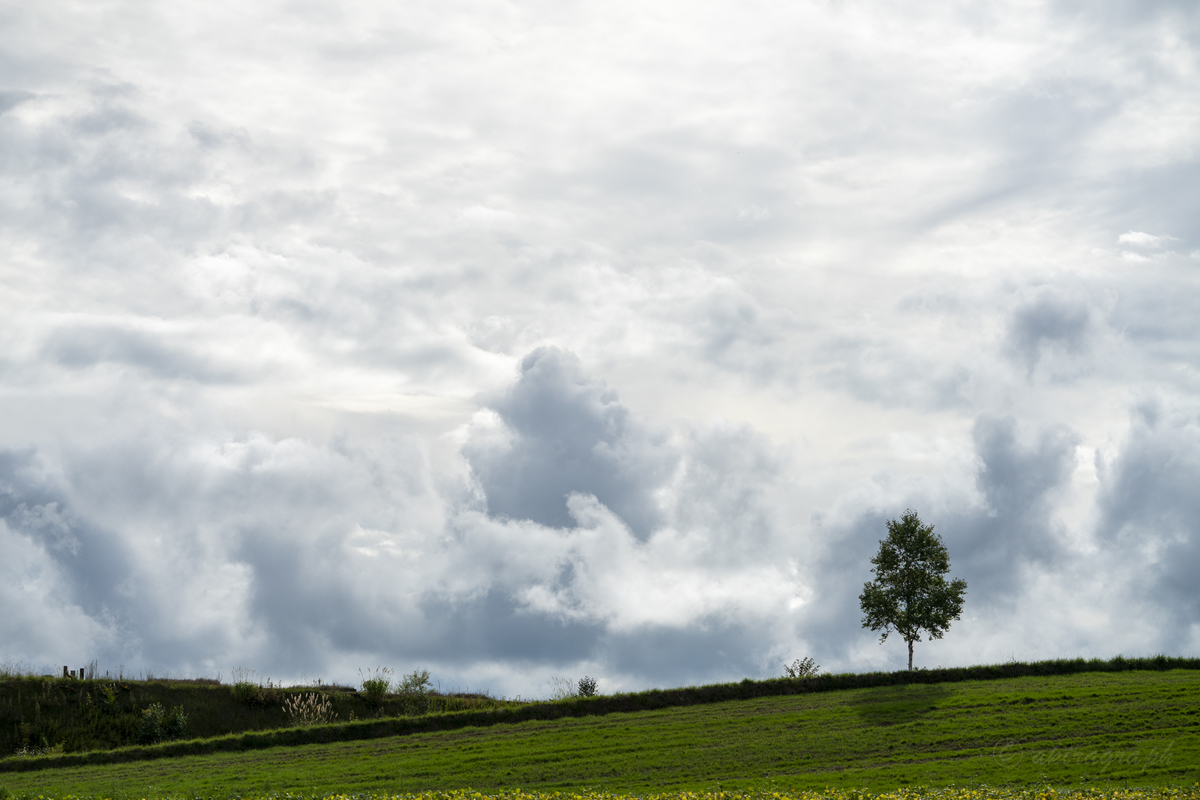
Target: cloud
1046, 323
1150, 519
569, 433
1015, 530
1139, 239
311, 341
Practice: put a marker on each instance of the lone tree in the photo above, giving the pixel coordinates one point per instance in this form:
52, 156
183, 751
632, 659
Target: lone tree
910, 593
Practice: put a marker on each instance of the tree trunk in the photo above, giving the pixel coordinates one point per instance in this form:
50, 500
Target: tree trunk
910, 641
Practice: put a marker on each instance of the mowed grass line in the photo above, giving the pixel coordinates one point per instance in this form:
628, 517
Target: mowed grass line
1109, 729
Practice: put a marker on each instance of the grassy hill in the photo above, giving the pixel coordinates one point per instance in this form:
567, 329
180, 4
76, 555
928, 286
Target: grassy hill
1098, 729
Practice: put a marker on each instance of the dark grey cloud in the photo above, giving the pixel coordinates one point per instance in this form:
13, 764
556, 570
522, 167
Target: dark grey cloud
1150, 517
1015, 531
1045, 322
570, 433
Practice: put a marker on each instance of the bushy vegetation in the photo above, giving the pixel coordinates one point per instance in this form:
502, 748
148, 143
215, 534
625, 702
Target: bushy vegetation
42, 715
377, 685
157, 725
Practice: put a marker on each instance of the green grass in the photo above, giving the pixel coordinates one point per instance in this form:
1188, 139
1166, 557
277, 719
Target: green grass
1107, 729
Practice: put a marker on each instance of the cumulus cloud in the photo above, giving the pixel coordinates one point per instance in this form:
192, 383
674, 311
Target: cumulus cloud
569, 433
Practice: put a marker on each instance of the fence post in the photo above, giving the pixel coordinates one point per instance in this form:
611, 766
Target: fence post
64, 670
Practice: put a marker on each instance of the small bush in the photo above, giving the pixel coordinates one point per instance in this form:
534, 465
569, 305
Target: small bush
801, 668
156, 725
414, 690
377, 685
304, 710
587, 687
416, 682
176, 724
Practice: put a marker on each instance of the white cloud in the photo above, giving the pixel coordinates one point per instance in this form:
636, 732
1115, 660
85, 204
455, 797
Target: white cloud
1140, 239
314, 319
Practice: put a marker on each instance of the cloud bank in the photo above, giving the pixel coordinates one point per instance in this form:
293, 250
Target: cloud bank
512, 342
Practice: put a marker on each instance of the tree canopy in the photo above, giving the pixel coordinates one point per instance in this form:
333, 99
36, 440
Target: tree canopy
910, 593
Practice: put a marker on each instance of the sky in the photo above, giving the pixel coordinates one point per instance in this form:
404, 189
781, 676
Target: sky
522, 340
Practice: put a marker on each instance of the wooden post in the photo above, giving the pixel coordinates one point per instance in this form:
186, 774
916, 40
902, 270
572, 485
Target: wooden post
64, 670
82, 673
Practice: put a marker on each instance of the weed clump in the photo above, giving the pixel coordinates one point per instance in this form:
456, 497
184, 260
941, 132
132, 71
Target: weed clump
561, 688
587, 687
251, 693
306, 710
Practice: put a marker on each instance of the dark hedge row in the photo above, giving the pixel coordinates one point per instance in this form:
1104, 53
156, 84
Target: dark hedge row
593, 706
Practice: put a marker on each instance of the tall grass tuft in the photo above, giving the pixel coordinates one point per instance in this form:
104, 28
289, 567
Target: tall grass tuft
306, 710
562, 688
253, 693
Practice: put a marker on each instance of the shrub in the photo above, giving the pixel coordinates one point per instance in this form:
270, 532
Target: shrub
176, 724
108, 699
150, 726
416, 682
414, 689
801, 668
156, 725
376, 686
587, 687
313, 708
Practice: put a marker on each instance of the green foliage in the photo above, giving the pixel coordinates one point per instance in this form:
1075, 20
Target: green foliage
100, 715
150, 727
587, 687
106, 699
157, 724
376, 686
66, 722
413, 691
801, 668
1018, 732
416, 682
910, 593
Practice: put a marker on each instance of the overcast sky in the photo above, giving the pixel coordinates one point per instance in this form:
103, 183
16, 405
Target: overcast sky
525, 339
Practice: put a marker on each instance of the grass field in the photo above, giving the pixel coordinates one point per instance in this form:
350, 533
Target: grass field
1091, 729
918, 793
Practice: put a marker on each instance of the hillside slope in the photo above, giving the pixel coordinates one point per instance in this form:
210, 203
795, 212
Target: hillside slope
1139, 728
